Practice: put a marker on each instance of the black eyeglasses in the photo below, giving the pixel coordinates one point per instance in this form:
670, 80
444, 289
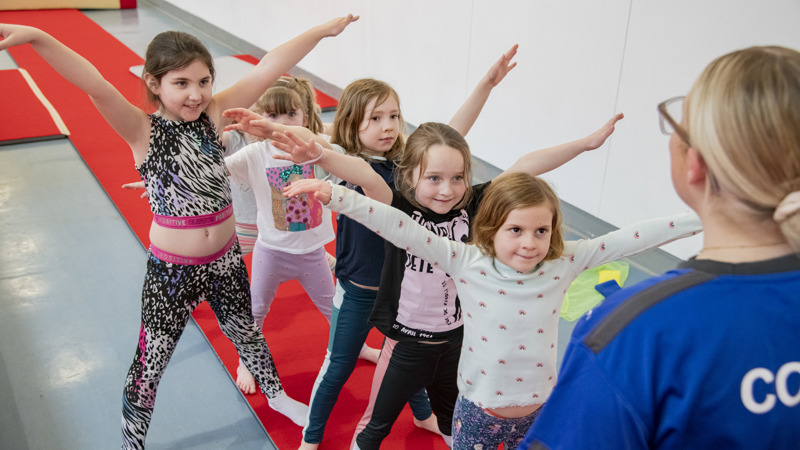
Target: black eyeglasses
668, 111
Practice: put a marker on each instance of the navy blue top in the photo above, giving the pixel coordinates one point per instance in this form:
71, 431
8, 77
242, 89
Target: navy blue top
359, 251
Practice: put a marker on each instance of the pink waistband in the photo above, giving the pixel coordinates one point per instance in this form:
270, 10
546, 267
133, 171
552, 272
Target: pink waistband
191, 260
206, 220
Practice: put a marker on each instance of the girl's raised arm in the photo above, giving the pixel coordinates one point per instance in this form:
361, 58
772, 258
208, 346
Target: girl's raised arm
127, 120
542, 161
274, 64
466, 116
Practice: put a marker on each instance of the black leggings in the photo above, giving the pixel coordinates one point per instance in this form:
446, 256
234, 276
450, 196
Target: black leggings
171, 292
413, 366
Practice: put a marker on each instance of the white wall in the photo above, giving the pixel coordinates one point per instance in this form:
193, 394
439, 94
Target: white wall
579, 62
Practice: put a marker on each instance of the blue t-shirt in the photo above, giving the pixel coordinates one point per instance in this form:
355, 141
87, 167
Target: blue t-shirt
359, 251
706, 356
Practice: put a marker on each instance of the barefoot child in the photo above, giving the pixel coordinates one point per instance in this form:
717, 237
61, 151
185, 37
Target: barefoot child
291, 232
194, 255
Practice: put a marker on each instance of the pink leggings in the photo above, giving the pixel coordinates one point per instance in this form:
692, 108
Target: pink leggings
271, 268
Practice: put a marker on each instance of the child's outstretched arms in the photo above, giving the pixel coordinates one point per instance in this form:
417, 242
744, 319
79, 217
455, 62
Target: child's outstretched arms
127, 120
538, 162
275, 63
390, 223
466, 116
350, 168
633, 239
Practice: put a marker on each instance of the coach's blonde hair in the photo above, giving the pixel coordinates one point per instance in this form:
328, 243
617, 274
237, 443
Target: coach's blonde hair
743, 117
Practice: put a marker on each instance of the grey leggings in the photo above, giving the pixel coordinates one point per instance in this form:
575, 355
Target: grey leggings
271, 268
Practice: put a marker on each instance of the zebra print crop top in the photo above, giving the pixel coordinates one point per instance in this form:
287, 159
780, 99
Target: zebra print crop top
184, 170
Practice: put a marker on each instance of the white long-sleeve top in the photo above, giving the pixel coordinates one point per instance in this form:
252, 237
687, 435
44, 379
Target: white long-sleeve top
508, 356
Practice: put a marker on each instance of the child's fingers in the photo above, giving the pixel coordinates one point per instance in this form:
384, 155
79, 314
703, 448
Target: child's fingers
283, 142
134, 185
290, 191
608, 128
338, 25
282, 156
305, 186
511, 52
281, 145
282, 139
231, 113
295, 139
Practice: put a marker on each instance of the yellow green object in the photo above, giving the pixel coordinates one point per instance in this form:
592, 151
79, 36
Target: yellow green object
582, 295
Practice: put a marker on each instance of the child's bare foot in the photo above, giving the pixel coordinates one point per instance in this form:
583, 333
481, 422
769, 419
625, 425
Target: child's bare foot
245, 380
428, 424
306, 446
370, 354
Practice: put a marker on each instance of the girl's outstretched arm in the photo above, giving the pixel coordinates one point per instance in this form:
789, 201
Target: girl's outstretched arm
130, 122
250, 122
274, 64
391, 224
349, 168
538, 162
466, 116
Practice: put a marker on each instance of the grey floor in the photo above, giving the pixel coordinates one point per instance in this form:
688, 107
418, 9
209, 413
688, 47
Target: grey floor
70, 279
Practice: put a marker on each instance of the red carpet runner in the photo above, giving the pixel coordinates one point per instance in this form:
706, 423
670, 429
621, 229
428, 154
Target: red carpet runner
295, 330
27, 115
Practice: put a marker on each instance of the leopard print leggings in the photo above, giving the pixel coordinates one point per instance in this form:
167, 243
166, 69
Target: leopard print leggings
171, 292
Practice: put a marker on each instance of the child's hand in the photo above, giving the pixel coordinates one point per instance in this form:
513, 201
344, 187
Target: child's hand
322, 190
503, 65
336, 26
598, 138
248, 122
297, 150
136, 185
16, 35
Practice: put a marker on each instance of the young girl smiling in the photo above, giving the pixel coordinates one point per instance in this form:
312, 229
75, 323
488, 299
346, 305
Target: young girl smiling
511, 279
194, 254
417, 307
